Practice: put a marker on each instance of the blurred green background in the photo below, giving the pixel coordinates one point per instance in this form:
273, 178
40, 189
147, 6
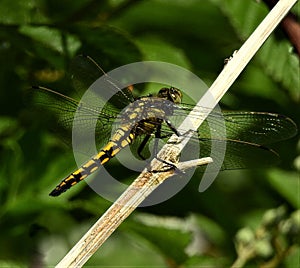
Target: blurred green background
38, 39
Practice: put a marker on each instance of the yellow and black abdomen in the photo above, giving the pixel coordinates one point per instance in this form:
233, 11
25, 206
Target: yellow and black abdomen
120, 139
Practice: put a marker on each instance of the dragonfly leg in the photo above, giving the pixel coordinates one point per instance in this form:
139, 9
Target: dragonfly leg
157, 137
170, 165
142, 146
172, 127
145, 141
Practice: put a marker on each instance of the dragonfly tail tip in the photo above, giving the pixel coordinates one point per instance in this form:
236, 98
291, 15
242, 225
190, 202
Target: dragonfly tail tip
55, 192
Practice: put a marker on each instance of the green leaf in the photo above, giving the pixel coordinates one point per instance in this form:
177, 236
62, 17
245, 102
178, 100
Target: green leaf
243, 15
162, 232
107, 45
19, 12
178, 240
281, 64
14, 264
292, 258
159, 50
52, 38
286, 183
275, 55
124, 250
186, 25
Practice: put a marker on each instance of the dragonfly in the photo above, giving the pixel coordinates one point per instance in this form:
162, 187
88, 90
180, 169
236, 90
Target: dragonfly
248, 134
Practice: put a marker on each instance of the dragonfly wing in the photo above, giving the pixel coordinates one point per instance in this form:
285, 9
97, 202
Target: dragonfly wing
88, 118
238, 154
94, 113
85, 71
254, 127
246, 133
258, 127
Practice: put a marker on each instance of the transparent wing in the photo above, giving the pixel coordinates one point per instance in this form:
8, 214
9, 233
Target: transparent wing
247, 133
94, 112
85, 71
64, 108
254, 127
238, 155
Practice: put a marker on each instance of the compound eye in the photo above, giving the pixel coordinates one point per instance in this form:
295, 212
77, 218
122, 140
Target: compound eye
172, 91
175, 95
163, 93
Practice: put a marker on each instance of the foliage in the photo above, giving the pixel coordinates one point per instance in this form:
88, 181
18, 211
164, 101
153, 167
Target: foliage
38, 39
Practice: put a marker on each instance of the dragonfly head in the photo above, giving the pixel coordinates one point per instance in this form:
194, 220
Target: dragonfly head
172, 94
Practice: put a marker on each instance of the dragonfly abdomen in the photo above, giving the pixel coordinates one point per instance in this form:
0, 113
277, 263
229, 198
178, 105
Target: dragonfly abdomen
120, 140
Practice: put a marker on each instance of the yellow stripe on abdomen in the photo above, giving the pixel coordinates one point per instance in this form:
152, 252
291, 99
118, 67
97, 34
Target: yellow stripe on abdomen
107, 153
